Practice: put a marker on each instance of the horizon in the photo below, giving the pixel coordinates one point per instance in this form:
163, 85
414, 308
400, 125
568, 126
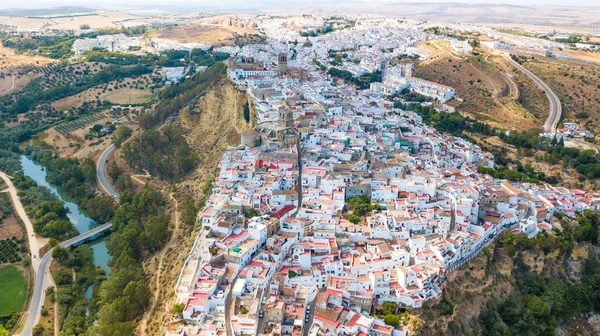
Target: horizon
258, 6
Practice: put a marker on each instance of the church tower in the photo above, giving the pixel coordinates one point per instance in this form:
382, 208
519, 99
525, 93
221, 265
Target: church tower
282, 63
286, 116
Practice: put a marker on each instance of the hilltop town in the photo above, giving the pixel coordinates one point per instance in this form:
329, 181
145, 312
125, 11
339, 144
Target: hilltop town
358, 171
341, 200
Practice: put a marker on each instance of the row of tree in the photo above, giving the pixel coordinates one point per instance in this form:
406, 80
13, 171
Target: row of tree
175, 97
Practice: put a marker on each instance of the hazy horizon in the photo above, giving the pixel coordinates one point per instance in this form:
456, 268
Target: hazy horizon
246, 5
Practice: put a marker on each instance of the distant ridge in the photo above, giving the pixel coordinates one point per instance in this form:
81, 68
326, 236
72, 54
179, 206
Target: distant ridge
26, 12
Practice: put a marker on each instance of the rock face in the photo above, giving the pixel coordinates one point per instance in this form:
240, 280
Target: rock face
212, 124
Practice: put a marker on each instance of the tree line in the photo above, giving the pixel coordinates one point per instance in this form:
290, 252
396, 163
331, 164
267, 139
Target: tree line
549, 150
78, 179
173, 98
140, 228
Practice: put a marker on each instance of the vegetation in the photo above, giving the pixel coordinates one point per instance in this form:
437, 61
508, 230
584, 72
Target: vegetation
551, 151
361, 206
13, 290
76, 313
60, 46
363, 81
140, 226
48, 213
391, 315
123, 133
189, 210
539, 302
163, 153
10, 249
32, 95
174, 97
78, 179
329, 27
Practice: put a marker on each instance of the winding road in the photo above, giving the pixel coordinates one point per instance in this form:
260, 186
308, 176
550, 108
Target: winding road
41, 266
101, 173
555, 106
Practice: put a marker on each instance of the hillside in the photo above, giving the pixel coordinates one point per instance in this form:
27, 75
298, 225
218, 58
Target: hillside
523, 286
488, 90
212, 35
576, 85
213, 124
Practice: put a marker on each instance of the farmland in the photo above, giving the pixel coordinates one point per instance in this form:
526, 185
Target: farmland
13, 290
72, 126
10, 250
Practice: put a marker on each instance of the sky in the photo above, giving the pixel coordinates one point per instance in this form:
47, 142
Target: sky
233, 4
245, 3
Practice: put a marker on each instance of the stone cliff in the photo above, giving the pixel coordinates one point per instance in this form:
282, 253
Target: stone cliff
213, 123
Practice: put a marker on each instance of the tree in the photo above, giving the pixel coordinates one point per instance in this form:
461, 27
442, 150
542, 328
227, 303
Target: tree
96, 128
38, 330
392, 320
177, 309
101, 208
63, 277
354, 218
60, 253
84, 26
188, 212
114, 171
123, 133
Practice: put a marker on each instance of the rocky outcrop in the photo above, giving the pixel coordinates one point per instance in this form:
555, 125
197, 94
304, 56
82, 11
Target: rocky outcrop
213, 123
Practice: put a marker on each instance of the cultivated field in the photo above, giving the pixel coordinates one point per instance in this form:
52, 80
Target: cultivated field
203, 33
121, 96
96, 19
10, 59
68, 140
10, 228
13, 290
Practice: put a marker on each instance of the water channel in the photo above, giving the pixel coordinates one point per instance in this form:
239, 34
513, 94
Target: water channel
81, 222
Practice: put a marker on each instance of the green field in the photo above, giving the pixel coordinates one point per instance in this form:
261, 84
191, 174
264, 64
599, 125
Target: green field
13, 290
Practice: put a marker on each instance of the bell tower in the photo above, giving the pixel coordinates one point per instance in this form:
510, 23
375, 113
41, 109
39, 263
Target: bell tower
282, 60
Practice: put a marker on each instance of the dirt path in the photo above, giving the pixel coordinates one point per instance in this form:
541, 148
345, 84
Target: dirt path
144, 322
33, 243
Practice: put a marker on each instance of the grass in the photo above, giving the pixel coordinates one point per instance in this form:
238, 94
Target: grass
13, 290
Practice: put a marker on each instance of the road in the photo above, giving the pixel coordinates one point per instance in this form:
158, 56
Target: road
101, 173
555, 106
33, 243
39, 291
41, 271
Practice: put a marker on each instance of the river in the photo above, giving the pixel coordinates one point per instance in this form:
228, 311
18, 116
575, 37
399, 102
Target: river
81, 222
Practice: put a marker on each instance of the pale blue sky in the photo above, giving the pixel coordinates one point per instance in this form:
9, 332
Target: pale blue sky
233, 4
